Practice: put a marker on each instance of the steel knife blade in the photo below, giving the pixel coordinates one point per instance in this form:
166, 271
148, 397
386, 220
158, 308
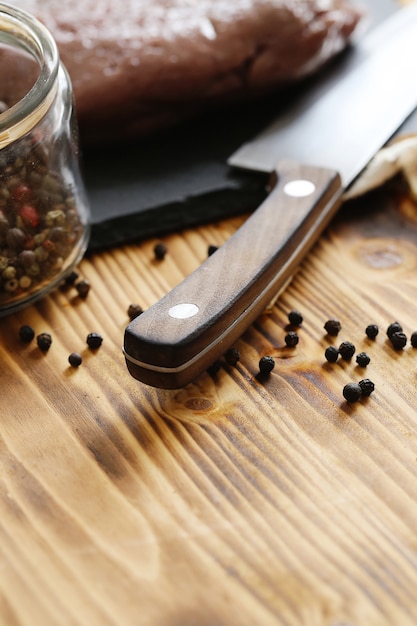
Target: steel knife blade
314, 153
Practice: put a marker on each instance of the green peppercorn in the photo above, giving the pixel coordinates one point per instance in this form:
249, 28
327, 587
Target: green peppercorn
332, 354
25, 282
94, 340
398, 340
346, 350
34, 269
291, 339
295, 318
75, 359
55, 217
266, 364
363, 359
352, 392
160, 250
44, 341
372, 331
9, 273
367, 386
232, 356
26, 333
11, 285
41, 254
333, 327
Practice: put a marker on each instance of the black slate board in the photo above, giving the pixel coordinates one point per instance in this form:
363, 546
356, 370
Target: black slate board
180, 178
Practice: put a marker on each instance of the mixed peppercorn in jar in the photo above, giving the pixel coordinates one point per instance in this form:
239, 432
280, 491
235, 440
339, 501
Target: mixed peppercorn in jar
44, 216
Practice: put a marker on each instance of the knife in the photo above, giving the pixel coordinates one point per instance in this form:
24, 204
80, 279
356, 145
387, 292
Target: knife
314, 153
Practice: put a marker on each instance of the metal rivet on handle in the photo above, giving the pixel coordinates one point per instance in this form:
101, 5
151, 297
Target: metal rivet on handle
183, 311
299, 188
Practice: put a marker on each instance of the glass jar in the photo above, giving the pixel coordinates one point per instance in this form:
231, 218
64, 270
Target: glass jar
44, 214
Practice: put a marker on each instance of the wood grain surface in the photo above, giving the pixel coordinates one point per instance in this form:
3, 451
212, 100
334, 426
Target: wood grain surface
233, 501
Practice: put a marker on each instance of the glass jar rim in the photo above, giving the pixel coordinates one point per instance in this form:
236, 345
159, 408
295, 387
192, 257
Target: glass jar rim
28, 33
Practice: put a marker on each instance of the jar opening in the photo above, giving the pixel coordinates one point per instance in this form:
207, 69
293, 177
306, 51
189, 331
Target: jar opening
29, 64
19, 72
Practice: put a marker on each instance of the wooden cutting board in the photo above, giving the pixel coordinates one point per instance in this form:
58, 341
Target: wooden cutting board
235, 500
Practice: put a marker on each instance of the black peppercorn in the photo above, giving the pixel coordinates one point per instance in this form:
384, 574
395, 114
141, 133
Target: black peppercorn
94, 340
371, 331
413, 339
332, 354
395, 327
44, 341
83, 288
214, 368
266, 364
134, 310
211, 249
291, 339
352, 392
295, 318
26, 333
333, 327
71, 278
160, 250
398, 340
367, 386
232, 356
363, 359
75, 359
346, 350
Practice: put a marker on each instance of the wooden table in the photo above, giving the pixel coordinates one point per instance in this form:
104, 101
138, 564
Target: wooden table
234, 501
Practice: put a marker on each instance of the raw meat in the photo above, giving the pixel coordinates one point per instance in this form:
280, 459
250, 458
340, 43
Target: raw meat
139, 65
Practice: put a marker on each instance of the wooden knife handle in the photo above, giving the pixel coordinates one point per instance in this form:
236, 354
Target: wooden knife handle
181, 335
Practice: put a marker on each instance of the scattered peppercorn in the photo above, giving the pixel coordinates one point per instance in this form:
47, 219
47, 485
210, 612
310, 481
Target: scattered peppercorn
94, 340
295, 318
395, 327
44, 341
367, 386
71, 278
26, 333
75, 359
333, 327
371, 331
363, 359
346, 350
332, 354
291, 339
160, 250
266, 364
214, 368
212, 249
134, 310
232, 356
413, 339
83, 288
398, 340
352, 392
